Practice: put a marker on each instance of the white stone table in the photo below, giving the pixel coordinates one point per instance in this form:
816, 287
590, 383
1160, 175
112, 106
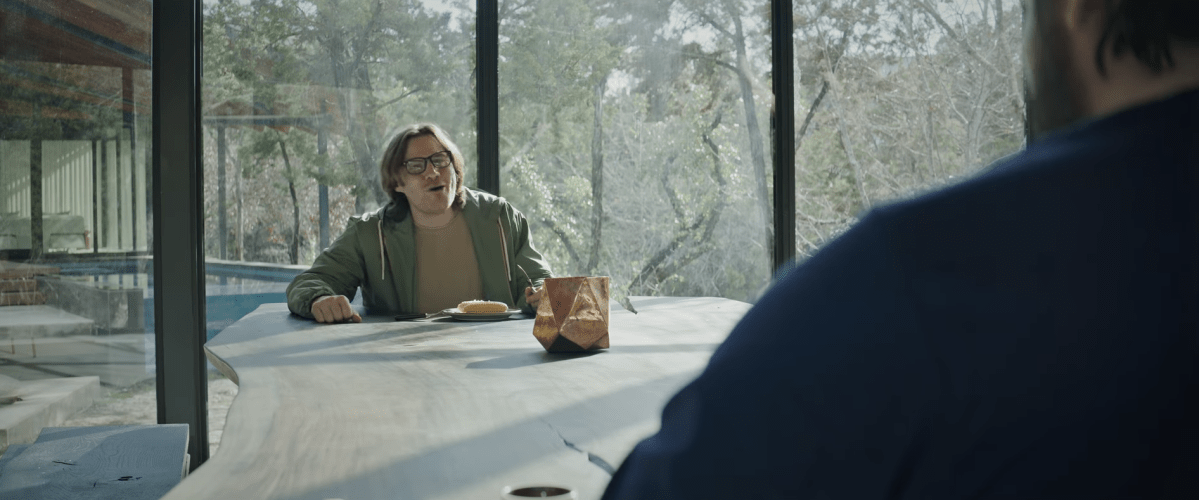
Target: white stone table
443, 409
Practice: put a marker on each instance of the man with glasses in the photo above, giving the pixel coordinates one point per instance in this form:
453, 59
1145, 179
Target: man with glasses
1031, 333
435, 245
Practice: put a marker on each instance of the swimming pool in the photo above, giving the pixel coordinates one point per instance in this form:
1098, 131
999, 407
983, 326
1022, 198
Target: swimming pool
232, 289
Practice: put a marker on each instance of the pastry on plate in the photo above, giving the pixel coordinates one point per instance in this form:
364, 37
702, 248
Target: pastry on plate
482, 306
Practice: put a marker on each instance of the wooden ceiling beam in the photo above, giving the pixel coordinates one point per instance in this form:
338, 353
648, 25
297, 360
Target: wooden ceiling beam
33, 88
70, 32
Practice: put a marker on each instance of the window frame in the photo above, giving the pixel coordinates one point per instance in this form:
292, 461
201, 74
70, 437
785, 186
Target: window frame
177, 175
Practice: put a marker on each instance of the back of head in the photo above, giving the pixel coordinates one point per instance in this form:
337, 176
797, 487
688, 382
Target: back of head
1150, 29
1090, 58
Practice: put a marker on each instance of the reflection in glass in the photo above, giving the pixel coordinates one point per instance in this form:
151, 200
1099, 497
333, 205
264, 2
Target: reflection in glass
76, 323
299, 100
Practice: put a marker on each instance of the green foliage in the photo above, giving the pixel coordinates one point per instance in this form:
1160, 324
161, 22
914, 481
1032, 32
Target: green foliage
918, 105
909, 107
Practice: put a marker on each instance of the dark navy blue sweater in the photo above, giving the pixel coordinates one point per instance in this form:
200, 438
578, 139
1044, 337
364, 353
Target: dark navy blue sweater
1029, 333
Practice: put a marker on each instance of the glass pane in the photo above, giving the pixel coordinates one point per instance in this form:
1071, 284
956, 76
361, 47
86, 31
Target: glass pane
299, 99
635, 137
76, 301
897, 98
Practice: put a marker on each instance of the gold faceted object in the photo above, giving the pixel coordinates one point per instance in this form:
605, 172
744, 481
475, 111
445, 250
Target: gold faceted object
573, 314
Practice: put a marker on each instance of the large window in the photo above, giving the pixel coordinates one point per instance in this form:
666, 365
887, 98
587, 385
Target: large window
897, 97
76, 301
635, 136
299, 100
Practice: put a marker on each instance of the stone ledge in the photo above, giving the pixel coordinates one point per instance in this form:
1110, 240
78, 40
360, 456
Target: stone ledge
26, 322
129, 462
114, 310
44, 403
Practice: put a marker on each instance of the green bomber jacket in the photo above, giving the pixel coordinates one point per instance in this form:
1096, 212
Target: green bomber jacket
356, 259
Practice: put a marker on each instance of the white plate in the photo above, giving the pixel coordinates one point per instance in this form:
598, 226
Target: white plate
457, 314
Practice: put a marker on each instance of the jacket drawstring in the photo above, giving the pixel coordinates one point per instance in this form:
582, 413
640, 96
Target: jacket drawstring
382, 254
504, 248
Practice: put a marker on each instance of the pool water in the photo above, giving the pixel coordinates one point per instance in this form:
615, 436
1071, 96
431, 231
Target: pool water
227, 298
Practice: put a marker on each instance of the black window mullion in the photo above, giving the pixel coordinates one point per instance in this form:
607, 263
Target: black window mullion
487, 55
179, 308
782, 122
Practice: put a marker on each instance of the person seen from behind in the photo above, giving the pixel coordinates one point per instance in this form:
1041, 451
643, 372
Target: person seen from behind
1030, 333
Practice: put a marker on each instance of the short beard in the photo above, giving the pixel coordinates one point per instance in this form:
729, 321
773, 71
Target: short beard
1053, 92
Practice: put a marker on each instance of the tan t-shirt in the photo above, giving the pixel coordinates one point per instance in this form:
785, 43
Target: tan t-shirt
447, 272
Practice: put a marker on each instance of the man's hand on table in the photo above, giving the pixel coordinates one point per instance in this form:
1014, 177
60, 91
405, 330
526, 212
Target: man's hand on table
533, 296
334, 309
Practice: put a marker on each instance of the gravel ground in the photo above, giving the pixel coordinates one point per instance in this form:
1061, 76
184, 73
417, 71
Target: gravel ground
137, 405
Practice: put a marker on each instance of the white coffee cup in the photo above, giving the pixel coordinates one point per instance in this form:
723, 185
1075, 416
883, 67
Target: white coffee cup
551, 492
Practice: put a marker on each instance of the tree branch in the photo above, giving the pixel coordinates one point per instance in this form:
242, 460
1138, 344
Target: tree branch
803, 129
294, 247
361, 45
814, 220
807, 241
719, 62
853, 160
597, 176
398, 99
671, 195
932, 11
657, 266
538, 130
570, 248
660, 256
712, 22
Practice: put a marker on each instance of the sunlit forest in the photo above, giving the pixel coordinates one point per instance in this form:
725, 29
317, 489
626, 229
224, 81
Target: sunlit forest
635, 135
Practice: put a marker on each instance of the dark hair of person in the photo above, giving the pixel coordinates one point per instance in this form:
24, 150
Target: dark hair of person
391, 169
1147, 28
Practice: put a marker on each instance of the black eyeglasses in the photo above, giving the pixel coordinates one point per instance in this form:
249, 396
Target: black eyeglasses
417, 166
